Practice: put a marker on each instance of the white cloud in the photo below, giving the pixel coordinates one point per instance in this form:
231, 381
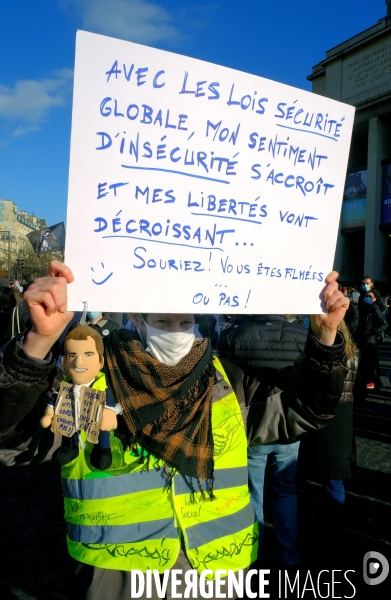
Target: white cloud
28, 102
21, 131
134, 20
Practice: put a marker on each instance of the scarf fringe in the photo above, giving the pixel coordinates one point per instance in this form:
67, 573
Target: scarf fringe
204, 497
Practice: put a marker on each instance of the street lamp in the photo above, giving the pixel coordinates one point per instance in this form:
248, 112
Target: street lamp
20, 263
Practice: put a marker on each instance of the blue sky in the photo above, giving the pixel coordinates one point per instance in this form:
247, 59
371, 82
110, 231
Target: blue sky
277, 39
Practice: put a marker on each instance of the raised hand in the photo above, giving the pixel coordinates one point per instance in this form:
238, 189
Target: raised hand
324, 326
46, 300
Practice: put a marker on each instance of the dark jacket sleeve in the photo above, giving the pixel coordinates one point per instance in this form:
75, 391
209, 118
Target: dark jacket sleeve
379, 323
24, 384
309, 400
351, 318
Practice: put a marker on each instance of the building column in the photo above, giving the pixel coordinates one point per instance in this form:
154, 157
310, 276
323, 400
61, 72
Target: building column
375, 240
339, 254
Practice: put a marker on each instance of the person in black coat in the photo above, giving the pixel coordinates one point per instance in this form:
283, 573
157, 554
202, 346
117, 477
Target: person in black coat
329, 456
371, 324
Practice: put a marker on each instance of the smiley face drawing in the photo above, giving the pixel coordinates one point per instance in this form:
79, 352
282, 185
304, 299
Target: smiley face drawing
103, 280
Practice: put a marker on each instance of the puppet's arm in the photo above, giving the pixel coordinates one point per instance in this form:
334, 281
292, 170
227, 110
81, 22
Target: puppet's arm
48, 415
109, 420
47, 418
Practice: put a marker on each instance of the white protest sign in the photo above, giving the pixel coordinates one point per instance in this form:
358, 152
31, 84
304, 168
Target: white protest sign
197, 188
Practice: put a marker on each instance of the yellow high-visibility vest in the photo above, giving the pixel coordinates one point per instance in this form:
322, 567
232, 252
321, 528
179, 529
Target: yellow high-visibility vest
131, 518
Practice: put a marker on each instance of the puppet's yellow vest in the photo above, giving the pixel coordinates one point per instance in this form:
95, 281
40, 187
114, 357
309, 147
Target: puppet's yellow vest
128, 518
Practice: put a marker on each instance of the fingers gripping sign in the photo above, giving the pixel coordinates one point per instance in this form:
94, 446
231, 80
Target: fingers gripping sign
46, 300
325, 326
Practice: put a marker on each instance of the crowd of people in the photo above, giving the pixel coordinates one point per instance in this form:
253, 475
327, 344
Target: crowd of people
206, 408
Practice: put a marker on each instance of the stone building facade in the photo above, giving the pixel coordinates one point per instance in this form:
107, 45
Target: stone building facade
14, 226
358, 72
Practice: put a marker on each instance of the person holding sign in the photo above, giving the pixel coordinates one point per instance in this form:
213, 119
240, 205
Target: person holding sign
83, 403
176, 495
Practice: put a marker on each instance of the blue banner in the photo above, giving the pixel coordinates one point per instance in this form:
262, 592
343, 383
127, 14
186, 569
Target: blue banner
354, 213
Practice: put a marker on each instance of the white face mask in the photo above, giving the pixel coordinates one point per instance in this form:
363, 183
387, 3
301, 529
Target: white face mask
169, 346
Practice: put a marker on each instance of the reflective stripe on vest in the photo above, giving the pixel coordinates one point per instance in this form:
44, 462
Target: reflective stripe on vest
107, 487
201, 534
116, 534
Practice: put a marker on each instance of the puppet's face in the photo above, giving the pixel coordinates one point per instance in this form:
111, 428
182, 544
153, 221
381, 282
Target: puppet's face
82, 362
